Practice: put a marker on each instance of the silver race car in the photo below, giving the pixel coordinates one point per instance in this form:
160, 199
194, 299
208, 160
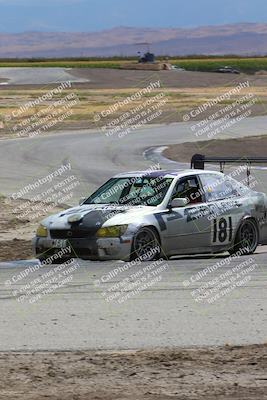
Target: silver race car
156, 214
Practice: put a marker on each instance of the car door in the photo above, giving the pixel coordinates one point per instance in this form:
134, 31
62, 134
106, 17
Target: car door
226, 205
187, 229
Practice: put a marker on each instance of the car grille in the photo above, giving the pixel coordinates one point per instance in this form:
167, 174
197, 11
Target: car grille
70, 234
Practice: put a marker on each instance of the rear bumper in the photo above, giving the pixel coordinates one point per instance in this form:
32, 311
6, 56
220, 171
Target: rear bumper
91, 249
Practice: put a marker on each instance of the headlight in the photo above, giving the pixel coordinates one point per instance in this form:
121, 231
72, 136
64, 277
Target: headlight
112, 231
41, 231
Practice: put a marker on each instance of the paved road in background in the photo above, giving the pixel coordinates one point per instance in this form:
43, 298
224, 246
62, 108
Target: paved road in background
95, 157
36, 76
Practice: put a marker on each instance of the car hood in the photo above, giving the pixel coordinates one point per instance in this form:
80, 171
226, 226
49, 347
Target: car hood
94, 216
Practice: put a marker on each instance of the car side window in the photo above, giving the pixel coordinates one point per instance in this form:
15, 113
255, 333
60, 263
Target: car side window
240, 188
218, 187
188, 188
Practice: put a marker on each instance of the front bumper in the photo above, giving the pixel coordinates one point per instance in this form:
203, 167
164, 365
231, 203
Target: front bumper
86, 248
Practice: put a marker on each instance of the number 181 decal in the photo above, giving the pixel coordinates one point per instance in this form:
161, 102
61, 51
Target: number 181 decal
222, 230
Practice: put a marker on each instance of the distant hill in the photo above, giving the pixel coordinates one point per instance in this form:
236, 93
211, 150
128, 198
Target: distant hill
243, 39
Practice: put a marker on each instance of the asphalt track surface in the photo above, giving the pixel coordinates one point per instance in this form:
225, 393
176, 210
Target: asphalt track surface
95, 157
81, 316
78, 316
36, 76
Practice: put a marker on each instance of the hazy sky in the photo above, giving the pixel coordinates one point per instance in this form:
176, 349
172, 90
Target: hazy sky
91, 15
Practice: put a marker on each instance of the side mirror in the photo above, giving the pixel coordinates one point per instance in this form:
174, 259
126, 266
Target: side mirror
179, 202
82, 200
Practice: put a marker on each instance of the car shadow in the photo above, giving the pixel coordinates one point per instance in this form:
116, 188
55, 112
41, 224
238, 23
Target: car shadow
200, 257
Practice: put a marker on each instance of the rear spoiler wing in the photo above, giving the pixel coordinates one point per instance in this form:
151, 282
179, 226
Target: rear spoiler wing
198, 161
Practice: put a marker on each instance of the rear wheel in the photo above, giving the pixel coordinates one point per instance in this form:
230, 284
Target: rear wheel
247, 238
146, 245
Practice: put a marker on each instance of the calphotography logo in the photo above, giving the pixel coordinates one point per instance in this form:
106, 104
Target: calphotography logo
135, 111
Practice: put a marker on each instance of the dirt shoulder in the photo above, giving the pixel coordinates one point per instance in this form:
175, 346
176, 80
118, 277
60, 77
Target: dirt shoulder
119, 78
178, 94
198, 373
243, 147
17, 231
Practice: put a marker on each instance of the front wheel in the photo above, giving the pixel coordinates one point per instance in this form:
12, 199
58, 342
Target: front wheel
49, 260
146, 245
247, 238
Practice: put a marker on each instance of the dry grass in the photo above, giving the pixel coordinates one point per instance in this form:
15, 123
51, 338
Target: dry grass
92, 102
248, 65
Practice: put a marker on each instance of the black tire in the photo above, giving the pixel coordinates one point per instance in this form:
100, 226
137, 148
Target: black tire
51, 261
146, 245
247, 238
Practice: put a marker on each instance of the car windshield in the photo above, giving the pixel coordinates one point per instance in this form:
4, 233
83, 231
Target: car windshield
143, 190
